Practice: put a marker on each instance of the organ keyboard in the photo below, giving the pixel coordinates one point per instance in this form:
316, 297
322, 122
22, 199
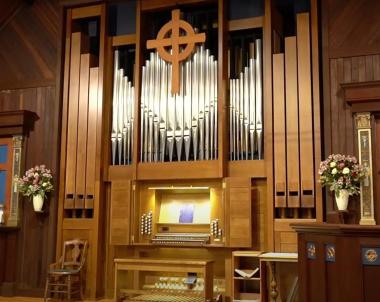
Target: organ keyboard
181, 238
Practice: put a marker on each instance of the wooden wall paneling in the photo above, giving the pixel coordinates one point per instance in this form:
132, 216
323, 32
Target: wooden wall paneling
26, 275
268, 127
341, 105
354, 69
28, 55
305, 106
314, 17
349, 122
239, 204
334, 103
362, 71
120, 212
369, 68
352, 28
91, 138
376, 67
279, 131
292, 127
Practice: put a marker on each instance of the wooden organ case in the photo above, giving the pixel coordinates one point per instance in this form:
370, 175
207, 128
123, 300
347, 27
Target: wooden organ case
200, 172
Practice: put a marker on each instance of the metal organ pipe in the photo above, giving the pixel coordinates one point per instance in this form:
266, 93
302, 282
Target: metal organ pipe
245, 110
182, 126
122, 116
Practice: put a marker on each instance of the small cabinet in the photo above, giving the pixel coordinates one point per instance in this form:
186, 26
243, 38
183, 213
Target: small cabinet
246, 276
120, 212
239, 203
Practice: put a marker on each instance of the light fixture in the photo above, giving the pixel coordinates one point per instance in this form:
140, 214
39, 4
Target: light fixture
179, 188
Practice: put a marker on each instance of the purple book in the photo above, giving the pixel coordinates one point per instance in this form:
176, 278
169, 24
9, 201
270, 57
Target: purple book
186, 213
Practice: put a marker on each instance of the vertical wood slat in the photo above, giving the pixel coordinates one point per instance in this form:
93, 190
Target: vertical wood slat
292, 127
120, 212
91, 138
376, 67
369, 68
362, 73
279, 131
239, 195
347, 69
81, 151
341, 107
334, 103
305, 106
72, 130
354, 69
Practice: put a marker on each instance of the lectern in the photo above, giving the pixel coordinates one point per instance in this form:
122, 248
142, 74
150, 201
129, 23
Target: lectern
338, 262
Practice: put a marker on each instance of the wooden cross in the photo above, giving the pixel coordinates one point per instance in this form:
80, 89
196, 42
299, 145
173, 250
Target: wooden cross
175, 40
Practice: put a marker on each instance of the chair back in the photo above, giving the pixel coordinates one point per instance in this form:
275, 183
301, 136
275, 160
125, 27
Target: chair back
74, 254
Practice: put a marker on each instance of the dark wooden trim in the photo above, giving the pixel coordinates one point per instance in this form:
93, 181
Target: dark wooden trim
17, 122
246, 23
123, 40
361, 92
151, 5
346, 229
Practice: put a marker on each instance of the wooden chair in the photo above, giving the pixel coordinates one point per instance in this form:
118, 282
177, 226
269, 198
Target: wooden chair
65, 276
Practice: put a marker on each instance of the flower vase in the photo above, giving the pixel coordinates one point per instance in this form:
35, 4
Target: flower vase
341, 198
38, 202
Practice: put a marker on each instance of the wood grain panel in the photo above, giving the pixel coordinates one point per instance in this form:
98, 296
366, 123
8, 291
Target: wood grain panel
279, 130
305, 106
239, 195
292, 138
72, 119
120, 212
28, 43
82, 119
91, 138
353, 28
27, 273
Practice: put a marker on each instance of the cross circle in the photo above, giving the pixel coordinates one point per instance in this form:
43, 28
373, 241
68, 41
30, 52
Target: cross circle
175, 41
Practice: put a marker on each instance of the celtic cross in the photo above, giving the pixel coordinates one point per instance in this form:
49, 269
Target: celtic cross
175, 40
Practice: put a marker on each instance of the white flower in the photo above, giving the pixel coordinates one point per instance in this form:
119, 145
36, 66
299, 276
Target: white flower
332, 164
44, 184
346, 170
334, 171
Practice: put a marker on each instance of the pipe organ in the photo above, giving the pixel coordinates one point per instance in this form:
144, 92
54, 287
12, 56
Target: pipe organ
82, 128
183, 126
192, 174
245, 110
123, 100
293, 126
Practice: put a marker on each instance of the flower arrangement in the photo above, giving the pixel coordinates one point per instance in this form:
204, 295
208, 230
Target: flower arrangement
36, 181
342, 172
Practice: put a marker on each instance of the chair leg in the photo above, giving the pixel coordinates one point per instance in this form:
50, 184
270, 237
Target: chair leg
69, 288
81, 288
46, 288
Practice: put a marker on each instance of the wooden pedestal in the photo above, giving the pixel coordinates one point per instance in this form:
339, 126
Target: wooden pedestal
338, 262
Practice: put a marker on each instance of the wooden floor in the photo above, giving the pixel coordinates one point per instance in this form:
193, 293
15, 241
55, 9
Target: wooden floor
27, 299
